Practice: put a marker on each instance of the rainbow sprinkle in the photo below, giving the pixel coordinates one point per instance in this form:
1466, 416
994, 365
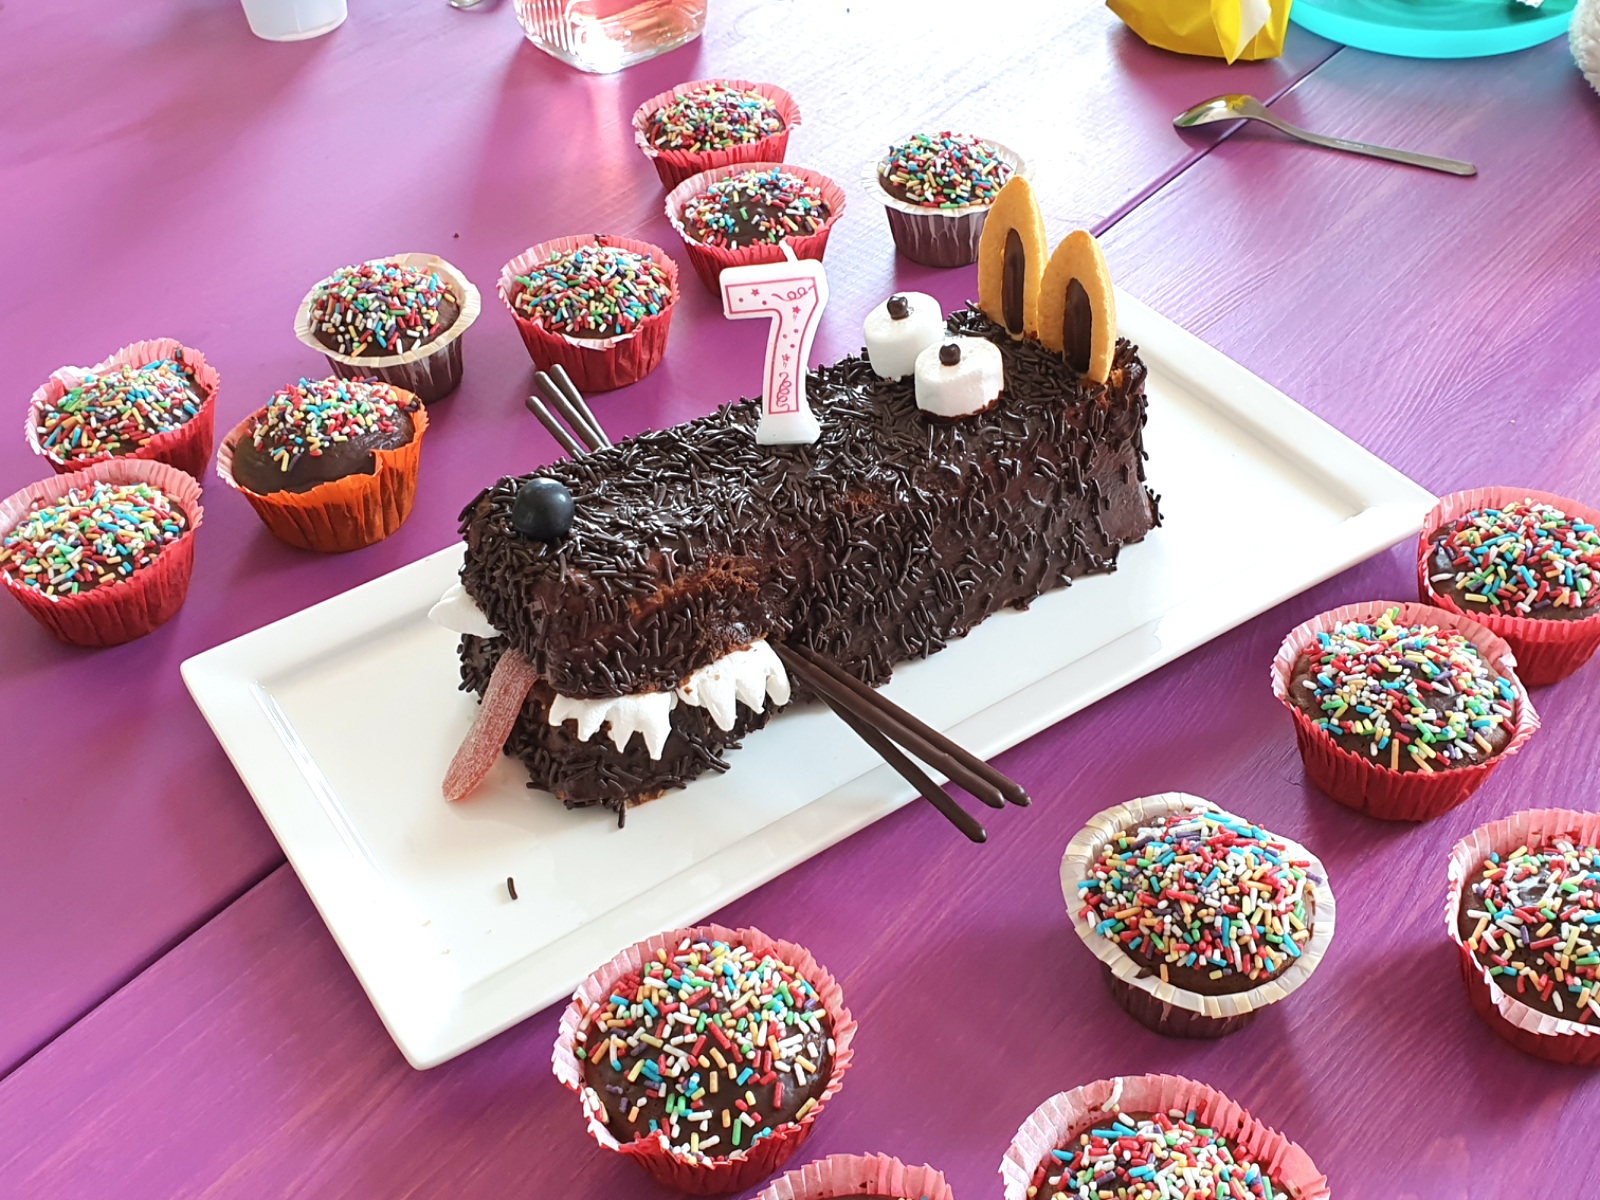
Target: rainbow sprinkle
1204, 891
1521, 559
1162, 1156
593, 291
755, 206
1421, 696
90, 538
944, 170
1538, 926
307, 417
714, 117
713, 1020
118, 410
379, 307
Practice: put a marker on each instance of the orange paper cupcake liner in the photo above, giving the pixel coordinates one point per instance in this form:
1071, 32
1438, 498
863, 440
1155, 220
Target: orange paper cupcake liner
744, 1167
674, 166
1546, 650
855, 1175
710, 261
595, 364
187, 447
118, 612
342, 514
1067, 1114
1525, 1027
1356, 781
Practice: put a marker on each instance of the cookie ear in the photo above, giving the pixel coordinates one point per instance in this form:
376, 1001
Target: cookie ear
1077, 306
1011, 257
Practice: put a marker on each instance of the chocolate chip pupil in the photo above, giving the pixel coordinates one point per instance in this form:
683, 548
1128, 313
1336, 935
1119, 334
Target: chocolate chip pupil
899, 307
949, 354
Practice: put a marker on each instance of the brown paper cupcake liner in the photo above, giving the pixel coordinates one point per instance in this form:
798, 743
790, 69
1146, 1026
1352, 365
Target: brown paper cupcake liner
937, 237
710, 261
845, 1175
1546, 650
1525, 1027
430, 372
118, 612
1356, 781
674, 166
1067, 1114
187, 447
342, 514
1159, 1005
595, 364
744, 1167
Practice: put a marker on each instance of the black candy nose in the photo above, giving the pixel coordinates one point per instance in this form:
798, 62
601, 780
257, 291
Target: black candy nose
543, 510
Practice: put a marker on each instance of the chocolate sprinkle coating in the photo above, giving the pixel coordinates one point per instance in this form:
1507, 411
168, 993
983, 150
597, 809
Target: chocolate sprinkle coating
888, 537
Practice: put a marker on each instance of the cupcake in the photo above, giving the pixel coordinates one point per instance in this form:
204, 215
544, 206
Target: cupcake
1125, 1136
103, 555
936, 189
861, 1177
599, 306
729, 216
152, 400
398, 319
706, 1054
1255, 919
714, 123
1401, 710
1524, 912
1524, 565
329, 464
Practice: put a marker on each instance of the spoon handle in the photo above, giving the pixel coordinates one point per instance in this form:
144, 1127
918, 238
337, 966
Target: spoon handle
1410, 158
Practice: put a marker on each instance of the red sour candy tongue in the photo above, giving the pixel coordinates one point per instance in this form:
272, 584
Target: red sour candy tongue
509, 686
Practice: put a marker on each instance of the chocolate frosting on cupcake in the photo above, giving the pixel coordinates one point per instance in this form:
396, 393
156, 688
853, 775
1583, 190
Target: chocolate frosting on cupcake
943, 170
91, 537
714, 116
766, 205
380, 308
317, 431
593, 291
1524, 559
118, 410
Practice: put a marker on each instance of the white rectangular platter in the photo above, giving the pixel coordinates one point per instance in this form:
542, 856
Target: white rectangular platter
414, 889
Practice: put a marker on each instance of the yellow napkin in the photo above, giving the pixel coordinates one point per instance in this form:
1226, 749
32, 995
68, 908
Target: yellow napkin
1230, 29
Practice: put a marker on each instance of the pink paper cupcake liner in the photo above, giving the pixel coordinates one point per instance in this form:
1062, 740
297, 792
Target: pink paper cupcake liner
118, 612
431, 371
844, 1175
1068, 1114
744, 1167
1525, 1027
187, 447
1546, 650
674, 166
937, 237
710, 261
1356, 781
595, 364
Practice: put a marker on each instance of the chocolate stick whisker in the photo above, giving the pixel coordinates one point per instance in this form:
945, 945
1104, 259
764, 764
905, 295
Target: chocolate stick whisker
557, 431
575, 398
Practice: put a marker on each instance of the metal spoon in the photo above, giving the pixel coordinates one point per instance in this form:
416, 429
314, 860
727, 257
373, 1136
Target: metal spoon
465, 4
1248, 108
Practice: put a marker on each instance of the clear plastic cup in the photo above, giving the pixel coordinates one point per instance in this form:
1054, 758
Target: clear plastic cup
293, 20
607, 35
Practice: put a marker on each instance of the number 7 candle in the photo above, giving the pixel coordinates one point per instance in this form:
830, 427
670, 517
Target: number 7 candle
791, 295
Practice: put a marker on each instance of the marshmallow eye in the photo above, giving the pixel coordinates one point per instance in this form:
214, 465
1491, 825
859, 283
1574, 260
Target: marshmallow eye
1011, 256
1077, 306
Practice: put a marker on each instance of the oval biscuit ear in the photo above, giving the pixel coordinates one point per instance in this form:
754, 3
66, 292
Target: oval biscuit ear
1077, 306
1011, 256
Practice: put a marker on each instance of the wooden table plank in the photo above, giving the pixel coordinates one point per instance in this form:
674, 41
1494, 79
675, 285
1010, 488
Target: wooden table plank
166, 174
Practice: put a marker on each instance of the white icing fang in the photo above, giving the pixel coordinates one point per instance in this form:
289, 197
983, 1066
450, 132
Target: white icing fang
459, 613
750, 677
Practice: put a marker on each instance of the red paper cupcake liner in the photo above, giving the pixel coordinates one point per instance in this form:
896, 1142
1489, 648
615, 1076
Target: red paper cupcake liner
1356, 781
937, 237
1067, 1114
710, 261
342, 514
187, 447
595, 364
430, 372
846, 1175
744, 1167
674, 166
1546, 650
118, 612
1525, 1027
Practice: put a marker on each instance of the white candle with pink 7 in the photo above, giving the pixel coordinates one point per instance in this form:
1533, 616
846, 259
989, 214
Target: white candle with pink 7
791, 294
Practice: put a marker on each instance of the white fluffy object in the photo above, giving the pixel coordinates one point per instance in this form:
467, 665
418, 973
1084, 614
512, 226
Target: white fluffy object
1585, 35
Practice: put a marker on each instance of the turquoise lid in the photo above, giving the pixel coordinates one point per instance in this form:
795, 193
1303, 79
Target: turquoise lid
1434, 28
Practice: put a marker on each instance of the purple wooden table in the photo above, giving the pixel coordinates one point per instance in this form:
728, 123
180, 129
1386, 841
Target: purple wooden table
204, 1035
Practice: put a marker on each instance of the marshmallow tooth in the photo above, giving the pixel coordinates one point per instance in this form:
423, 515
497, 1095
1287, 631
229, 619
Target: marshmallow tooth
899, 329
